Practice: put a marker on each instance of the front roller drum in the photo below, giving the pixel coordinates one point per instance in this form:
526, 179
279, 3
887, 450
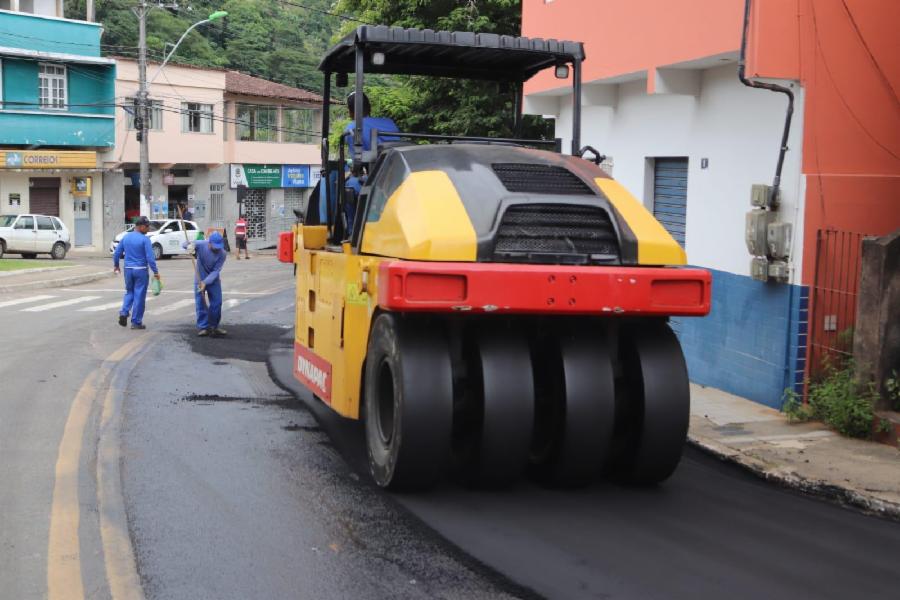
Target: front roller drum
408, 403
653, 404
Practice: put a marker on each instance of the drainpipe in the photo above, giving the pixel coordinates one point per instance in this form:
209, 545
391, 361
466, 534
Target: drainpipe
776, 182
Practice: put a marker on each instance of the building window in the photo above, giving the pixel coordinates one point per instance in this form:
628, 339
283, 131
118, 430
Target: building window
156, 111
196, 118
216, 202
52, 86
1, 84
298, 125
257, 123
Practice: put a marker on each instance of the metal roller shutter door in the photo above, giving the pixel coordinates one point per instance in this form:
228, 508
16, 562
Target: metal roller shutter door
670, 195
44, 201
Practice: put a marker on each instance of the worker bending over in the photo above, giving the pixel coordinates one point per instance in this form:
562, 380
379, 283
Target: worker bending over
210, 260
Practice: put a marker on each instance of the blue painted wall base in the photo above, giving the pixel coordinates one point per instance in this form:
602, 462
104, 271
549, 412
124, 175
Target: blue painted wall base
753, 341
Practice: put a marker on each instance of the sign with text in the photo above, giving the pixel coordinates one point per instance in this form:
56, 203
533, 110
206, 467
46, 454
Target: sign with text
48, 159
255, 176
295, 176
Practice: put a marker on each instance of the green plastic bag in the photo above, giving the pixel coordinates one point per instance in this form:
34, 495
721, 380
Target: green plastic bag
156, 286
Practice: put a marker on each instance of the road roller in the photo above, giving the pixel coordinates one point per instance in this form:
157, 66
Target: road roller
489, 307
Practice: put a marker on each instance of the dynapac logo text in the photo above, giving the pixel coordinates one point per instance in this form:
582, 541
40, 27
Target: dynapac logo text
314, 374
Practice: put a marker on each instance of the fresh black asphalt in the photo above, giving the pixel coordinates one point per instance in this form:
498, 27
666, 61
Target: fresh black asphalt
234, 494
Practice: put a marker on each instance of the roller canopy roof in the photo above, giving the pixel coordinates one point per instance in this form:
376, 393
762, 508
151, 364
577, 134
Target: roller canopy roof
459, 54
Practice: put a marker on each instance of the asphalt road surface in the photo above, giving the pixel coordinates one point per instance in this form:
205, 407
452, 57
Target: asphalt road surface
228, 486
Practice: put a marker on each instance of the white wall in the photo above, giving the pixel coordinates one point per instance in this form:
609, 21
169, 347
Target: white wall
737, 128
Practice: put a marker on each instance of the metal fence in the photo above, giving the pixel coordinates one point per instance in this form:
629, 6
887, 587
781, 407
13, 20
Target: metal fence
833, 299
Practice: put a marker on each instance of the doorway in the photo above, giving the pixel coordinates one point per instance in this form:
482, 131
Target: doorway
178, 196
83, 230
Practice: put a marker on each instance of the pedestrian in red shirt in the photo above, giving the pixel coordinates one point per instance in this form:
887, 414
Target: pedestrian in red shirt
240, 236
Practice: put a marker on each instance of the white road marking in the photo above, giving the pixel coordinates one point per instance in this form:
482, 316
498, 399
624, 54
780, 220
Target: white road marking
174, 306
25, 300
60, 304
100, 307
232, 302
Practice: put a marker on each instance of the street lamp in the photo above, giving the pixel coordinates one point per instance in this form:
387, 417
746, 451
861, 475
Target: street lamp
214, 16
143, 105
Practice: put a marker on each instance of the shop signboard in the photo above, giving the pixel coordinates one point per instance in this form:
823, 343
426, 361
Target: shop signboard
295, 176
255, 176
47, 159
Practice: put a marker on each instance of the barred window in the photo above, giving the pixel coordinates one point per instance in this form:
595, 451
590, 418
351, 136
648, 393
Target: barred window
216, 202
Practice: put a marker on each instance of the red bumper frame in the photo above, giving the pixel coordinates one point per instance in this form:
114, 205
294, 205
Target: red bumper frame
543, 289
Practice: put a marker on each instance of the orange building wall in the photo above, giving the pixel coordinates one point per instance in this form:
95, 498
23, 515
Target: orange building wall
634, 35
846, 54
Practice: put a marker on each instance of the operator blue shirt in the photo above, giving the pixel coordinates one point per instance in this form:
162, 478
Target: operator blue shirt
209, 263
382, 124
137, 250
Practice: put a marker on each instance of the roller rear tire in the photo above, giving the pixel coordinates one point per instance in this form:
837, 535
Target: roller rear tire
654, 404
494, 448
577, 414
408, 403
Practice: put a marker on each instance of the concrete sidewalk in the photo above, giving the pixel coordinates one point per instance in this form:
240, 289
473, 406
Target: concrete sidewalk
72, 271
808, 456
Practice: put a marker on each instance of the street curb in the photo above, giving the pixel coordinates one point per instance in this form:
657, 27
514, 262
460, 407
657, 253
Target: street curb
792, 480
54, 283
37, 270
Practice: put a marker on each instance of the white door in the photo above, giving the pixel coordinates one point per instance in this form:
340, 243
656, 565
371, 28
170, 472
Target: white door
46, 235
23, 235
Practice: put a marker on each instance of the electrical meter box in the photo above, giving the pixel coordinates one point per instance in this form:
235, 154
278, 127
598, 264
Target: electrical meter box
779, 240
779, 271
756, 232
759, 268
759, 195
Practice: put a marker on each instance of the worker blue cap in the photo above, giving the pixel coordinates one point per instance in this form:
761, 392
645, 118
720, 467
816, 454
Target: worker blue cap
216, 241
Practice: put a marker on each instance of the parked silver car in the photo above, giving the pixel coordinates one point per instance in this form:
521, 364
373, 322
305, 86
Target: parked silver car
30, 235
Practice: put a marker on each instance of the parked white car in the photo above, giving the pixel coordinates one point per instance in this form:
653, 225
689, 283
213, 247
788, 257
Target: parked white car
165, 237
30, 235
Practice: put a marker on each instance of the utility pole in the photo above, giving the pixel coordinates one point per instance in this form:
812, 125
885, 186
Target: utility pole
142, 115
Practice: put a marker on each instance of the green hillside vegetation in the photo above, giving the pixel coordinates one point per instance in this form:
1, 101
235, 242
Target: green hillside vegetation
266, 38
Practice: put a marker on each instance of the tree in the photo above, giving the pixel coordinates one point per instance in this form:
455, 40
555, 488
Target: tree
447, 106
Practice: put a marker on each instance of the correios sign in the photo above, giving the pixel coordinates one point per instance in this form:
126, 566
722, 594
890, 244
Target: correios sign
47, 159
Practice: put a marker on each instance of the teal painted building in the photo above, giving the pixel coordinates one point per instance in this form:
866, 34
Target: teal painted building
55, 88
57, 110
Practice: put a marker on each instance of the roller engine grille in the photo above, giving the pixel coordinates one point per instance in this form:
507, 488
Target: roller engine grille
556, 233
539, 179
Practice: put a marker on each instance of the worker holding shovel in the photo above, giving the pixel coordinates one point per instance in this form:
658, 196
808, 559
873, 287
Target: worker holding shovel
208, 292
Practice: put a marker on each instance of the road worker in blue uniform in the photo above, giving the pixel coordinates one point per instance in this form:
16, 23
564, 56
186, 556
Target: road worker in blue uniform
138, 252
210, 260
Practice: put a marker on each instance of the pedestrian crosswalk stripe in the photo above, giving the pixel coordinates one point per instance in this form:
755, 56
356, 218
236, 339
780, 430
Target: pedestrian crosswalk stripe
6, 303
174, 306
60, 304
100, 307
